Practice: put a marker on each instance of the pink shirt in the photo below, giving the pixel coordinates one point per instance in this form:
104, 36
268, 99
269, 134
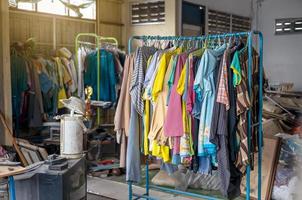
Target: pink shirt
173, 125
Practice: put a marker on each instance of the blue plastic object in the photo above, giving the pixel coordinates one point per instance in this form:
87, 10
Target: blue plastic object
11, 186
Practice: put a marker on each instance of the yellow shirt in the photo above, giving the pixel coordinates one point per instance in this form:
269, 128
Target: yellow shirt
160, 76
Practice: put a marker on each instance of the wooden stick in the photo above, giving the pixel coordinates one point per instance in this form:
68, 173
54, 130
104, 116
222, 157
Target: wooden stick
15, 145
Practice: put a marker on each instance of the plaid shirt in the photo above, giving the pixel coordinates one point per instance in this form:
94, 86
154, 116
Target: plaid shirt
223, 92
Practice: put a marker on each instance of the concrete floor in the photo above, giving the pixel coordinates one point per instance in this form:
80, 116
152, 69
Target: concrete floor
119, 191
96, 197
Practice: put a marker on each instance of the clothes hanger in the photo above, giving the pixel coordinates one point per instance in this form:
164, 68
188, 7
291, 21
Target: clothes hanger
229, 42
218, 41
224, 39
196, 44
205, 43
213, 43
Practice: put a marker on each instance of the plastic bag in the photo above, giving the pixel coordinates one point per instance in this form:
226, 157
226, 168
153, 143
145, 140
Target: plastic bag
288, 179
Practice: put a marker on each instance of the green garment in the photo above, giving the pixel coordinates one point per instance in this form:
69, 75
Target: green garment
235, 66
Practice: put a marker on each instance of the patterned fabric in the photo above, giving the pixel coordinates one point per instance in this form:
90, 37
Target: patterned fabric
137, 79
219, 133
242, 106
223, 92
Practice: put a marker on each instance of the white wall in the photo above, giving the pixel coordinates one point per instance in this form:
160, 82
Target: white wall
283, 53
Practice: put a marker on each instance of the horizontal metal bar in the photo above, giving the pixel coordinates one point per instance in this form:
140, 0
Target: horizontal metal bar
143, 196
190, 194
144, 37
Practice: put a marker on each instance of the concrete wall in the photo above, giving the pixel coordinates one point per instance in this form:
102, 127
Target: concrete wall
283, 53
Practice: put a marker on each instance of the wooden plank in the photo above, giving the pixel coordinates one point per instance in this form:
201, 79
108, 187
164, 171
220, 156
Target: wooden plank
5, 78
9, 135
269, 158
49, 31
111, 23
6, 171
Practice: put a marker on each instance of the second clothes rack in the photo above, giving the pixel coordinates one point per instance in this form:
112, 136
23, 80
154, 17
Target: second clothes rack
98, 42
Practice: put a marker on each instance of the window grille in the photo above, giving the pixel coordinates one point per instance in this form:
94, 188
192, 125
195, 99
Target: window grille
148, 13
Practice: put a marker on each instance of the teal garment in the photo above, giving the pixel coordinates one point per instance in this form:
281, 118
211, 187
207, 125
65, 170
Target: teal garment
204, 87
171, 78
235, 66
19, 82
108, 80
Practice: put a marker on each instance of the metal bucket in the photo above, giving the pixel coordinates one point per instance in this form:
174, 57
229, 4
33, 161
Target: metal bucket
71, 137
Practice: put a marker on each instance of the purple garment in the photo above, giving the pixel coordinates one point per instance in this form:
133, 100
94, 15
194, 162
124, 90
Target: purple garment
151, 68
173, 125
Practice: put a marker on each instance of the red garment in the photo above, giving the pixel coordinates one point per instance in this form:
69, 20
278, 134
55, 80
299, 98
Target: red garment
191, 93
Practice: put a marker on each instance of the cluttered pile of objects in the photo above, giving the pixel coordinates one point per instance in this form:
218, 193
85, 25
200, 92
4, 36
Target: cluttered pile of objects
30, 177
67, 172
282, 111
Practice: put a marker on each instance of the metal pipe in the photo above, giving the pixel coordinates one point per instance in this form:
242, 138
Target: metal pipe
147, 176
130, 196
260, 134
11, 187
144, 37
249, 115
143, 196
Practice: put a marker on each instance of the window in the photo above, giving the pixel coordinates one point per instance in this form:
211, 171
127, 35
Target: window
52, 7
240, 23
88, 11
148, 13
26, 6
218, 22
74, 8
288, 26
193, 19
221, 22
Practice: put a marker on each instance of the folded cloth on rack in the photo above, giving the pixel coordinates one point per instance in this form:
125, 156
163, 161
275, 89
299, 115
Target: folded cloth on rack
102, 104
64, 53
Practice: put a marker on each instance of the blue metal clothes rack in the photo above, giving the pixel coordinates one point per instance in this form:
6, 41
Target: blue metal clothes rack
260, 134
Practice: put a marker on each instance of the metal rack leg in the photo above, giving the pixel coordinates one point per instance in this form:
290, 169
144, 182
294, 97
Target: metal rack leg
130, 195
147, 176
249, 114
11, 183
260, 134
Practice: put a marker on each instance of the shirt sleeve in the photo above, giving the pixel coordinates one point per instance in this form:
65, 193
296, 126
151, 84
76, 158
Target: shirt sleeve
181, 82
198, 82
159, 79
